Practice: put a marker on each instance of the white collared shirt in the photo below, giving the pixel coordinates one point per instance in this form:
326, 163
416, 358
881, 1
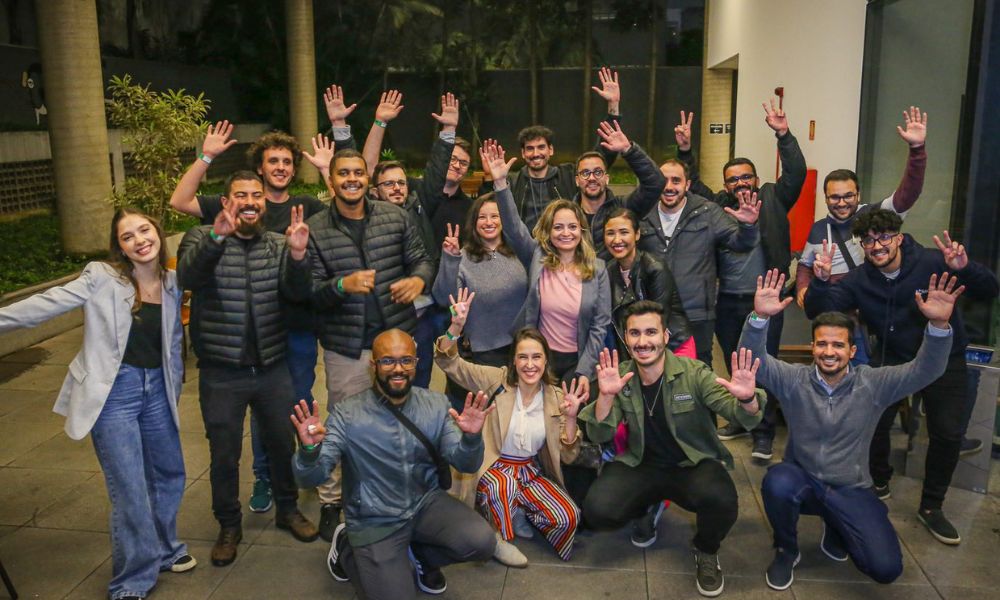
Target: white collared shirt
526, 434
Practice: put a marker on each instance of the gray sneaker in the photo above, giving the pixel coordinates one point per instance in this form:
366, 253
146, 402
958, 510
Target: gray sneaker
708, 574
522, 528
731, 431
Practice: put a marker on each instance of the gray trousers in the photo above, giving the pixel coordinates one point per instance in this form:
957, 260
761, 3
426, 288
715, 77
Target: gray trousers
443, 532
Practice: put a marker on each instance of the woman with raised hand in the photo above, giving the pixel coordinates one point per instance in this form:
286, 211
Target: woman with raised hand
635, 275
569, 299
488, 266
122, 388
527, 438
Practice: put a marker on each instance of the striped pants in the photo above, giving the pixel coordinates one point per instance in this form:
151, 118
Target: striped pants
517, 483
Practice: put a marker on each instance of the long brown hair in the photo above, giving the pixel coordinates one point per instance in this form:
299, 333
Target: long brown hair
584, 256
121, 264
530, 333
474, 247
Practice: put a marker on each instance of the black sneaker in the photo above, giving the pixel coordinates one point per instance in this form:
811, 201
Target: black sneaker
882, 491
336, 549
780, 574
708, 574
644, 528
430, 580
832, 544
970, 446
939, 526
329, 518
183, 564
731, 431
762, 448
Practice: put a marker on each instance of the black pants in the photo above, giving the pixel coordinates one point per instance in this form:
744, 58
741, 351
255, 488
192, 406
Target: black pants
622, 493
702, 331
497, 357
946, 401
443, 532
225, 394
731, 312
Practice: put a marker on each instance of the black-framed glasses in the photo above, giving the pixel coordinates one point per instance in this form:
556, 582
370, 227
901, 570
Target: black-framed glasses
388, 362
461, 163
744, 178
838, 198
588, 173
387, 185
883, 240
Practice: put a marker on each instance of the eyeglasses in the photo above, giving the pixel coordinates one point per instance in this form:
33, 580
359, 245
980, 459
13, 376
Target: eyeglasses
838, 198
744, 178
883, 240
588, 173
459, 162
386, 185
407, 362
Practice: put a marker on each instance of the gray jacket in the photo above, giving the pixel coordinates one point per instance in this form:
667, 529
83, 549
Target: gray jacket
388, 473
829, 433
702, 227
595, 304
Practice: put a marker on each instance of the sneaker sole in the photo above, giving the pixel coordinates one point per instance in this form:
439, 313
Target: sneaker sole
790, 579
420, 585
184, 568
944, 540
762, 456
656, 521
332, 555
261, 510
822, 547
971, 451
725, 437
712, 593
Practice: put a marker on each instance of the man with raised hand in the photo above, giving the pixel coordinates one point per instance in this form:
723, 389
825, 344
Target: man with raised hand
398, 511
832, 409
673, 452
540, 182
882, 291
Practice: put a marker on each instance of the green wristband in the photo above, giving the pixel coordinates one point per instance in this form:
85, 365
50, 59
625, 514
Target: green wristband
381, 123
309, 447
215, 236
340, 285
206, 159
447, 334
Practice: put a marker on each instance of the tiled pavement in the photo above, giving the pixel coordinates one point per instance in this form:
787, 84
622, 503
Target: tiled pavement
54, 523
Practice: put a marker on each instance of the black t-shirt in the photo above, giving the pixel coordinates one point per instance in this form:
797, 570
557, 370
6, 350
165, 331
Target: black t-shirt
145, 338
660, 448
454, 210
277, 217
374, 324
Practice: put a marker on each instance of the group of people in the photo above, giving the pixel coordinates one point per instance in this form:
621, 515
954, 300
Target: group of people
575, 328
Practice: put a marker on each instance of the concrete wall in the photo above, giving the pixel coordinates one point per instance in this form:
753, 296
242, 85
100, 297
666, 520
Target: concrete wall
814, 49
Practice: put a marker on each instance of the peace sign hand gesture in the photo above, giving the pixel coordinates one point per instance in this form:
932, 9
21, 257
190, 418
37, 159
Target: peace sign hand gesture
225, 221
473, 414
451, 244
297, 234
775, 118
954, 253
823, 264
682, 131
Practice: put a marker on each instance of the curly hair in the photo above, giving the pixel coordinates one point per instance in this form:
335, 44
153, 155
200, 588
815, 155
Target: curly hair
879, 220
273, 139
584, 256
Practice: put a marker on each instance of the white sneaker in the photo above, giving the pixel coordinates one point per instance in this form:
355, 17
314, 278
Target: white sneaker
507, 554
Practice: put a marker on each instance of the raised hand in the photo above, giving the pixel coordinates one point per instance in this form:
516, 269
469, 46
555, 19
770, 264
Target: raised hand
359, 282
492, 155
323, 149
336, 109
767, 300
941, 297
613, 138
217, 139
307, 423
460, 307
954, 253
609, 382
573, 396
448, 118
406, 290
823, 263
682, 131
744, 379
225, 221
389, 106
609, 90
297, 234
775, 118
451, 244
749, 209
915, 132
473, 414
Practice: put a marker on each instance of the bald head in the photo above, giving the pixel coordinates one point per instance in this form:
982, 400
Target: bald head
394, 360
393, 340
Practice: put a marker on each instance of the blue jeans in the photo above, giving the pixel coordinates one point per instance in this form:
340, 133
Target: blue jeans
430, 325
139, 450
855, 515
302, 356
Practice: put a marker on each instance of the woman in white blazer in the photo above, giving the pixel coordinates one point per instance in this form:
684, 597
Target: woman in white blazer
122, 388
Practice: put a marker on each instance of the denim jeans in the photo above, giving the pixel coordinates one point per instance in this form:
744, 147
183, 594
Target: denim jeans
302, 356
856, 515
139, 449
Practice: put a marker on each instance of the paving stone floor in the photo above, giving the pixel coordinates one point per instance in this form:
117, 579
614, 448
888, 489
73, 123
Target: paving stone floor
54, 524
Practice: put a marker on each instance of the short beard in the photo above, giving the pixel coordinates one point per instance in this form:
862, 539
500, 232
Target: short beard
250, 229
383, 384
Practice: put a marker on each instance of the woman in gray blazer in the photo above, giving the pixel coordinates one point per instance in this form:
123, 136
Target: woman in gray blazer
122, 388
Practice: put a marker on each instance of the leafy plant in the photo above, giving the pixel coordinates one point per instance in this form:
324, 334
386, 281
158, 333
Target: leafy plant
158, 127
32, 253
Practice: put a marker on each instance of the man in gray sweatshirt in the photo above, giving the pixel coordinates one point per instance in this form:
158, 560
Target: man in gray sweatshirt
831, 409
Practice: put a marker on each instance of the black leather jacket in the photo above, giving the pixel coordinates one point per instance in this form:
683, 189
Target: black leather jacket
650, 280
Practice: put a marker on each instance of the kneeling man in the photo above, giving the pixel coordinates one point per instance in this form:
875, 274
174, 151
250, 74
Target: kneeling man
673, 452
396, 511
832, 409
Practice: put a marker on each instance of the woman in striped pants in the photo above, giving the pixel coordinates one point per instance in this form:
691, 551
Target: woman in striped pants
532, 431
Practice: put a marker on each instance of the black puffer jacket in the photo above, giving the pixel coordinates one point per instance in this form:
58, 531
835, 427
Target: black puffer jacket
391, 246
232, 281
650, 279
